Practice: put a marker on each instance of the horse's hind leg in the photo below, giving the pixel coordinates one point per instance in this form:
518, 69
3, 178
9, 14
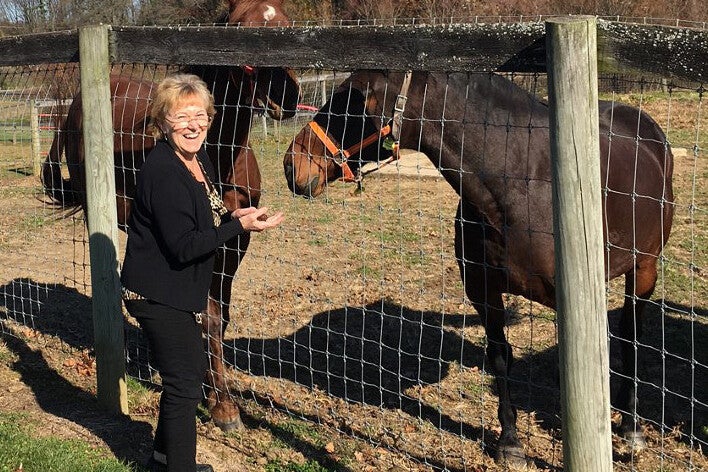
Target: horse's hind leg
639, 286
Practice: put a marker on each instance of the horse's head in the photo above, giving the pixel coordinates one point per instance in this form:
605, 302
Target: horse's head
275, 89
257, 13
348, 131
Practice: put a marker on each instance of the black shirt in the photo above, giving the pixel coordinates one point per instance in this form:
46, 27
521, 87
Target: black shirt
172, 239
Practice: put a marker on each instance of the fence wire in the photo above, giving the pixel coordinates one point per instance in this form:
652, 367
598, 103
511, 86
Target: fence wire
352, 315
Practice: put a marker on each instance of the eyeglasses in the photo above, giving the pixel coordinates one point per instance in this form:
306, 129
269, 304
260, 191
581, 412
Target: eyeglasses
181, 121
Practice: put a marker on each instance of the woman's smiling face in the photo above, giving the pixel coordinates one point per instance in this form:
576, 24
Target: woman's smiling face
186, 125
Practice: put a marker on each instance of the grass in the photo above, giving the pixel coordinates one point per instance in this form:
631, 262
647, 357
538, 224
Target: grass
141, 399
300, 435
309, 466
22, 449
33, 222
302, 431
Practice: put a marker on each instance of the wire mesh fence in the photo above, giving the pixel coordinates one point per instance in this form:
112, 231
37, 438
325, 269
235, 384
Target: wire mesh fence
353, 314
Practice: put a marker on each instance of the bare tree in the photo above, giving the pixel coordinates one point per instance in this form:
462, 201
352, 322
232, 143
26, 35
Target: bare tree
377, 9
445, 9
31, 13
48, 15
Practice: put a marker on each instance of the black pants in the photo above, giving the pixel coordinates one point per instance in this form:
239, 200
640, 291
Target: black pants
176, 343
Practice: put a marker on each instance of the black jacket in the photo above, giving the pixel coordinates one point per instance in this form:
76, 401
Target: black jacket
172, 240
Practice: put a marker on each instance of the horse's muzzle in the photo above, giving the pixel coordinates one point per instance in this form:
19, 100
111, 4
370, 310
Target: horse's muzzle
308, 190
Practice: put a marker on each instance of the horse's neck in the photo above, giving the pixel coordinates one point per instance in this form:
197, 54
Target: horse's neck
470, 120
464, 134
233, 102
440, 136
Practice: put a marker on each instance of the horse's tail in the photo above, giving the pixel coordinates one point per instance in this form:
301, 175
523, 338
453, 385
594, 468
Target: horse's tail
55, 186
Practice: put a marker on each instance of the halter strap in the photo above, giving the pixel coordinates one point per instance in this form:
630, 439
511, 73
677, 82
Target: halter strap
340, 155
248, 72
400, 106
395, 125
393, 128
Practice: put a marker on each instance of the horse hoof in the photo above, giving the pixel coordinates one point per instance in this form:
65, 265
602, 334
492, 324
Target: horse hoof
226, 415
635, 440
235, 425
511, 456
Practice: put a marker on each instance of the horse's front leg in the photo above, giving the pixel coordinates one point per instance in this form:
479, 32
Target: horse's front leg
500, 358
241, 188
483, 286
222, 406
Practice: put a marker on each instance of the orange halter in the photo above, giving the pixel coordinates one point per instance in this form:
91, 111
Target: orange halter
340, 155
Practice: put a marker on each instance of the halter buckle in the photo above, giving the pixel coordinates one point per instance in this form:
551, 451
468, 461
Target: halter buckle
340, 157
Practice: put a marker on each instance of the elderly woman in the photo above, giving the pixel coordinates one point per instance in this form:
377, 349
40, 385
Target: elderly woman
177, 222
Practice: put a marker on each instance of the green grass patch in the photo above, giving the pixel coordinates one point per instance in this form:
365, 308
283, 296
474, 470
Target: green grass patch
141, 398
308, 436
309, 466
21, 450
303, 431
318, 241
33, 222
368, 272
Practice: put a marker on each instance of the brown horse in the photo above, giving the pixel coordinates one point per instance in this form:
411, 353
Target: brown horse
238, 93
490, 140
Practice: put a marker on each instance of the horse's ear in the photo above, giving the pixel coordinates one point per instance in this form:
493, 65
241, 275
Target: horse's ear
371, 103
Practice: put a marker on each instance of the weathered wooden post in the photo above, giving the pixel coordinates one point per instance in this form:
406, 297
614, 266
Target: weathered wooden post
579, 261
36, 145
102, 217
323, 92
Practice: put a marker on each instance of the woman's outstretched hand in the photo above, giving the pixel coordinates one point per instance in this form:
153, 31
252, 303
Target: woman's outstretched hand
256, 219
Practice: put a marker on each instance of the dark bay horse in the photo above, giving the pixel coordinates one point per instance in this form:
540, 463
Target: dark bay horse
490, 140
238, 93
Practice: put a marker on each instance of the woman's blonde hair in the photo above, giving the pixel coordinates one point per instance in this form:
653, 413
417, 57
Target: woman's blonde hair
171, 91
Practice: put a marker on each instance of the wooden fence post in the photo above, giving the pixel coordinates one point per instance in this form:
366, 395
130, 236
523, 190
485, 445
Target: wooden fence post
36, 145
102, 217
579, 260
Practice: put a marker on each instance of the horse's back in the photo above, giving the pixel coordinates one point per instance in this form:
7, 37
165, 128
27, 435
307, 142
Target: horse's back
132, 99
635, 151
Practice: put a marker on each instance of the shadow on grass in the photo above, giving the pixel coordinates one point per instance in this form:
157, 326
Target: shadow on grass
65, 314
130, 441
375, 354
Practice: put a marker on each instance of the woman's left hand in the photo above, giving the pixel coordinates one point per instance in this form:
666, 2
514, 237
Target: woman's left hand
257, 219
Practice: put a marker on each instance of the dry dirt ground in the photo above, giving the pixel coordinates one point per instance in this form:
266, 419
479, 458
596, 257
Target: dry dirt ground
353, 343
